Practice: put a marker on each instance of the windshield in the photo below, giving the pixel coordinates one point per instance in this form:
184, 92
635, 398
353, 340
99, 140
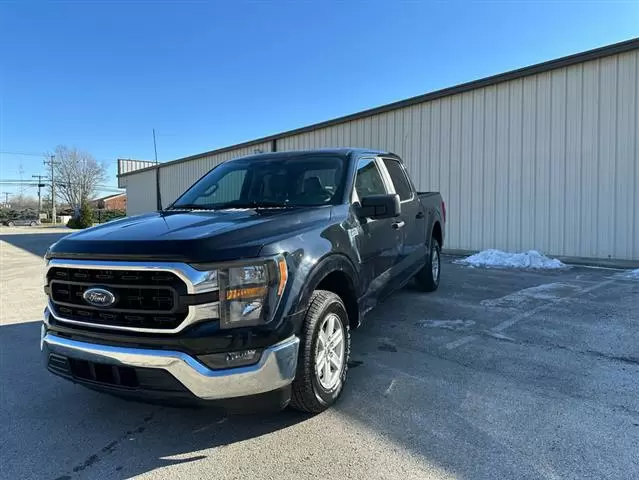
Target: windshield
269, 182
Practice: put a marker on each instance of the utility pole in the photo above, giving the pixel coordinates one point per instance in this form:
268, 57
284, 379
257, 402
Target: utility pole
21, 173
40, 185
6, 198
52, 163
155, 147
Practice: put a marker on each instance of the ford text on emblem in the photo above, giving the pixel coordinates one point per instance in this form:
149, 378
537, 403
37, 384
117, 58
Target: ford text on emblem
99, 297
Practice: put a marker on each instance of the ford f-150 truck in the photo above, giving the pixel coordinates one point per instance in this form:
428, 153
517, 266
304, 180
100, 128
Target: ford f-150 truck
245, 289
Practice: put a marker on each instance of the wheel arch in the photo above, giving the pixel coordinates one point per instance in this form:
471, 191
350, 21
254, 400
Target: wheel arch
334, 273
438, 233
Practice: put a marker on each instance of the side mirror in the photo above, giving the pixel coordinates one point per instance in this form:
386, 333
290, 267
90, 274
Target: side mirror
380, 206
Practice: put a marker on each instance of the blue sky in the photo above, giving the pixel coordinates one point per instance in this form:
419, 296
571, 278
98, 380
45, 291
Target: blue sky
102, 75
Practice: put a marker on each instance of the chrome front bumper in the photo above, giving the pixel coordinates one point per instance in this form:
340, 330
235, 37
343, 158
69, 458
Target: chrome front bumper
276, 368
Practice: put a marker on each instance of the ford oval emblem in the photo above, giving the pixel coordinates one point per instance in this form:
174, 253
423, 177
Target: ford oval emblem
98, 297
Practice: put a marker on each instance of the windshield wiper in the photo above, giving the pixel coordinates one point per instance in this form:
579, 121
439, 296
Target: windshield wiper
235, 204
257, 204
191, 206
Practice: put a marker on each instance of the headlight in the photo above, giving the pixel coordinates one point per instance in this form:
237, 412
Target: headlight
250, 291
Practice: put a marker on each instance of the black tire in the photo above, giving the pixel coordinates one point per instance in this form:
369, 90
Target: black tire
426, 279
308, 395
33, 224
11, 224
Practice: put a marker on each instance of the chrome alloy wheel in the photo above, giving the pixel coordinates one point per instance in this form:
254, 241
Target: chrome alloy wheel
329, 352
434, 262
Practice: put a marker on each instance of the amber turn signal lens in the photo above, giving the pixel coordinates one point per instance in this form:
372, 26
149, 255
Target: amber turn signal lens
281, 263
243, 293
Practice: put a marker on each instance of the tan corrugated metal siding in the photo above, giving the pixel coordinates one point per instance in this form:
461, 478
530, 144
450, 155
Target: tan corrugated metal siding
547, 161
126, 165
141, 192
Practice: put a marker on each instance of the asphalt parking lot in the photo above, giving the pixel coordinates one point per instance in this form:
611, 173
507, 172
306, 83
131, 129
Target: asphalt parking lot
497, 375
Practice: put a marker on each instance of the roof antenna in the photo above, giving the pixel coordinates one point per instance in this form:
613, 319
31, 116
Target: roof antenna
158, 193
155, 147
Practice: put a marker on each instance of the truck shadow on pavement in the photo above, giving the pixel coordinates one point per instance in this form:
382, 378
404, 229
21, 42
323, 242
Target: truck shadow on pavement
35, 243
100, 435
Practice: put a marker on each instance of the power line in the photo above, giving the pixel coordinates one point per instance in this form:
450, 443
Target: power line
32, 184
25, 154
48, 179
18, 182
40, 155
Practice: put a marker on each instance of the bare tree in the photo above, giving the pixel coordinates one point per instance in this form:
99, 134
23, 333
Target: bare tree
24, 201
77, 175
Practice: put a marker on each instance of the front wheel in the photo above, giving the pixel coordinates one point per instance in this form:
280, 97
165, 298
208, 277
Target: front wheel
11, 224
324, 353
428, 277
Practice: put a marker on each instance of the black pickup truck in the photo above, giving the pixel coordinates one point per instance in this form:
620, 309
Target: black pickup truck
244, 290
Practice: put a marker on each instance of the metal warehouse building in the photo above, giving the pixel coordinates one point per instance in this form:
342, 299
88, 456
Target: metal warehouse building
545, 157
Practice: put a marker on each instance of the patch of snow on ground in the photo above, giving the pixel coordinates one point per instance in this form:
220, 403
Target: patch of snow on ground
525, 260
527, 297
447, 324
633, 274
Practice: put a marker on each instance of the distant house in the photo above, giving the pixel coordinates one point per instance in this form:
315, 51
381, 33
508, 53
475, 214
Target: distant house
111, 202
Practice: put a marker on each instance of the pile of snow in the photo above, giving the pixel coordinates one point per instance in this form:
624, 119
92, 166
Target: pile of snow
497, 258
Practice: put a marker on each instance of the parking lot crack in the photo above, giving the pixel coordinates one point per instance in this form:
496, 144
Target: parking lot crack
106, 449
626, 359
615, 358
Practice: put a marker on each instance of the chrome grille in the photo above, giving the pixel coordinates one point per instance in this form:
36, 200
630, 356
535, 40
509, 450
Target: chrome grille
129, 297
145, 299
130, 278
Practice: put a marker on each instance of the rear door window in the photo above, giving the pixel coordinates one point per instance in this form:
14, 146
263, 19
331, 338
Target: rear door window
399, 179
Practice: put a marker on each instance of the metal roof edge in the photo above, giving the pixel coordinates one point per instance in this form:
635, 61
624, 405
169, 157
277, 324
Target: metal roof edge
594, 54
109, 196
131, 160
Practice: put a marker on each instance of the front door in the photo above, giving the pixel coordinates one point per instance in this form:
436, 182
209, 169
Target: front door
380, 243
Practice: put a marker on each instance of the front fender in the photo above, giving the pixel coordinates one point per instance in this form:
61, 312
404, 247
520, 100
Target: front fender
331, 263
312, 256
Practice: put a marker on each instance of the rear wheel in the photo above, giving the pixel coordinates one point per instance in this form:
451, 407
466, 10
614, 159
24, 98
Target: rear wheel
11, 224
428, 277
324, 353
33, 224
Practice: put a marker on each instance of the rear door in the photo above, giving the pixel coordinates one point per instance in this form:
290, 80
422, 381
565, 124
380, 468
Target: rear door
379, 241
413, 217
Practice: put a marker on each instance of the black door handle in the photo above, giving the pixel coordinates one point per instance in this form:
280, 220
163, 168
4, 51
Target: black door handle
419, 215
398, 225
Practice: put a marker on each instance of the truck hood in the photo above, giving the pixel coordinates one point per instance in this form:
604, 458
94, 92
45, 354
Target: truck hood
190, 236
